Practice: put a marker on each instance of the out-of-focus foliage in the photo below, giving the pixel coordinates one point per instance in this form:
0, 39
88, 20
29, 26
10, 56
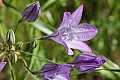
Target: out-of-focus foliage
104, 14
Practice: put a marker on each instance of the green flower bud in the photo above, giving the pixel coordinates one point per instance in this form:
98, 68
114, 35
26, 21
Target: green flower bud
10, 38
19, 45
1, 46
14, 58
1, 55
33, 43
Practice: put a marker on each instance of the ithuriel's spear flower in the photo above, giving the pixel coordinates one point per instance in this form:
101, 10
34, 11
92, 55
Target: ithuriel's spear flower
31, 12
87, 62
71, 34
2, 64
55, 71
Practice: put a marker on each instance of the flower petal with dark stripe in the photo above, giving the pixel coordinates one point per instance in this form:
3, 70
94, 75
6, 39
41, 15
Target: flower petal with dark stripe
31, 12
55, 71
87, 62
71, 34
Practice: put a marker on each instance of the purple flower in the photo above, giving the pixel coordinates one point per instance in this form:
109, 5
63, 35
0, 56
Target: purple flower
2, 64
31, 12
71, 34
54, 71
87, 62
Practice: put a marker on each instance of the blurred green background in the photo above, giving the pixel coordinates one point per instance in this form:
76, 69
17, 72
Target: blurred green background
104, 14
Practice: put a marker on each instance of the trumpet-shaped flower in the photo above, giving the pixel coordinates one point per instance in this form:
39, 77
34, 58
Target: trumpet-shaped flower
71, 34
87, 62
54, 71
2, 64
31, 12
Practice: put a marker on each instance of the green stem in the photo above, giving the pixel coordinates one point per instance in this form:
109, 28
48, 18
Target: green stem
38, 56
11, 69
30, 41
114, 70
27, 42
25, 67
16, 27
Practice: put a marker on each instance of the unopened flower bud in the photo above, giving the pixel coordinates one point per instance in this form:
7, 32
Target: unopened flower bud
1, 54
14, 58
10, 38
31, 12
34, 43
19, 45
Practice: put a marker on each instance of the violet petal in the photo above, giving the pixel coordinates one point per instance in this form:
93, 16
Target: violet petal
55, 71
70, 52
2, 64
31, 12
78, 45
61, 77
82, 32
88, 62
65, 19
75, 18
35, 13
48, 70
63, 73
58, 39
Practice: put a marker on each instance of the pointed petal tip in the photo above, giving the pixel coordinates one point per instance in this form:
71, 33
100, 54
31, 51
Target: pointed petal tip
89, 50
102, 59
37, 3
81, 6
4, 62
96, 31
70, 52
67, 14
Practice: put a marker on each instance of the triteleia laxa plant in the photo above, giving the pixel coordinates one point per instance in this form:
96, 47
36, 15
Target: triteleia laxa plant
71, 34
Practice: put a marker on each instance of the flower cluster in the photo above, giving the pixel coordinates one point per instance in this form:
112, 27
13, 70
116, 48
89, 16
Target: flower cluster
70, 34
